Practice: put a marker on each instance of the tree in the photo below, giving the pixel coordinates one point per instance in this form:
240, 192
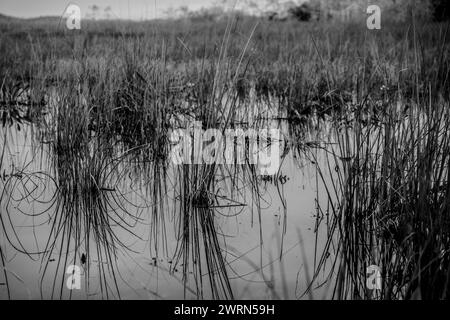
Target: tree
441, 9
302, 12
94, 11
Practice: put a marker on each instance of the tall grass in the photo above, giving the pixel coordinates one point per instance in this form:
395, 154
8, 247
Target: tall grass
388, 199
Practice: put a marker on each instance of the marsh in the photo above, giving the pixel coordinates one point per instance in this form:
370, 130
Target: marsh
362, 158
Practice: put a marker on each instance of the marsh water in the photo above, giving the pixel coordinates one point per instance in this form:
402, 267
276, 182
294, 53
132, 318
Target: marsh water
270, 239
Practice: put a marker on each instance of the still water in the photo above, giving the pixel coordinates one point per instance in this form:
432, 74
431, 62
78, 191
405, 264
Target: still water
269, 239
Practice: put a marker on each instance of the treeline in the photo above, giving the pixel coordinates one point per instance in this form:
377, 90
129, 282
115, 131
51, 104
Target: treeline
437, 10
399, 10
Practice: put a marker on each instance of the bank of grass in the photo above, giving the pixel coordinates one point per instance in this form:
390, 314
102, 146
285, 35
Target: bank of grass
303, 65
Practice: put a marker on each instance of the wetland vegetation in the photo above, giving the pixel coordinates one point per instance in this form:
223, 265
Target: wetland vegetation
87, 178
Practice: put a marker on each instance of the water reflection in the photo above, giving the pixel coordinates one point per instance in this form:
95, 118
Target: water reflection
141, 227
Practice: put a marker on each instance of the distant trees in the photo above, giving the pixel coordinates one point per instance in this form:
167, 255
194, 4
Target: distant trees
307, 10
302, 12
398, 10
96, 12
441, 9
212, 13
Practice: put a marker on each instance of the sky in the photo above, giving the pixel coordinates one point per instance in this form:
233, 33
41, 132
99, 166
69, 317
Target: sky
124, 9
